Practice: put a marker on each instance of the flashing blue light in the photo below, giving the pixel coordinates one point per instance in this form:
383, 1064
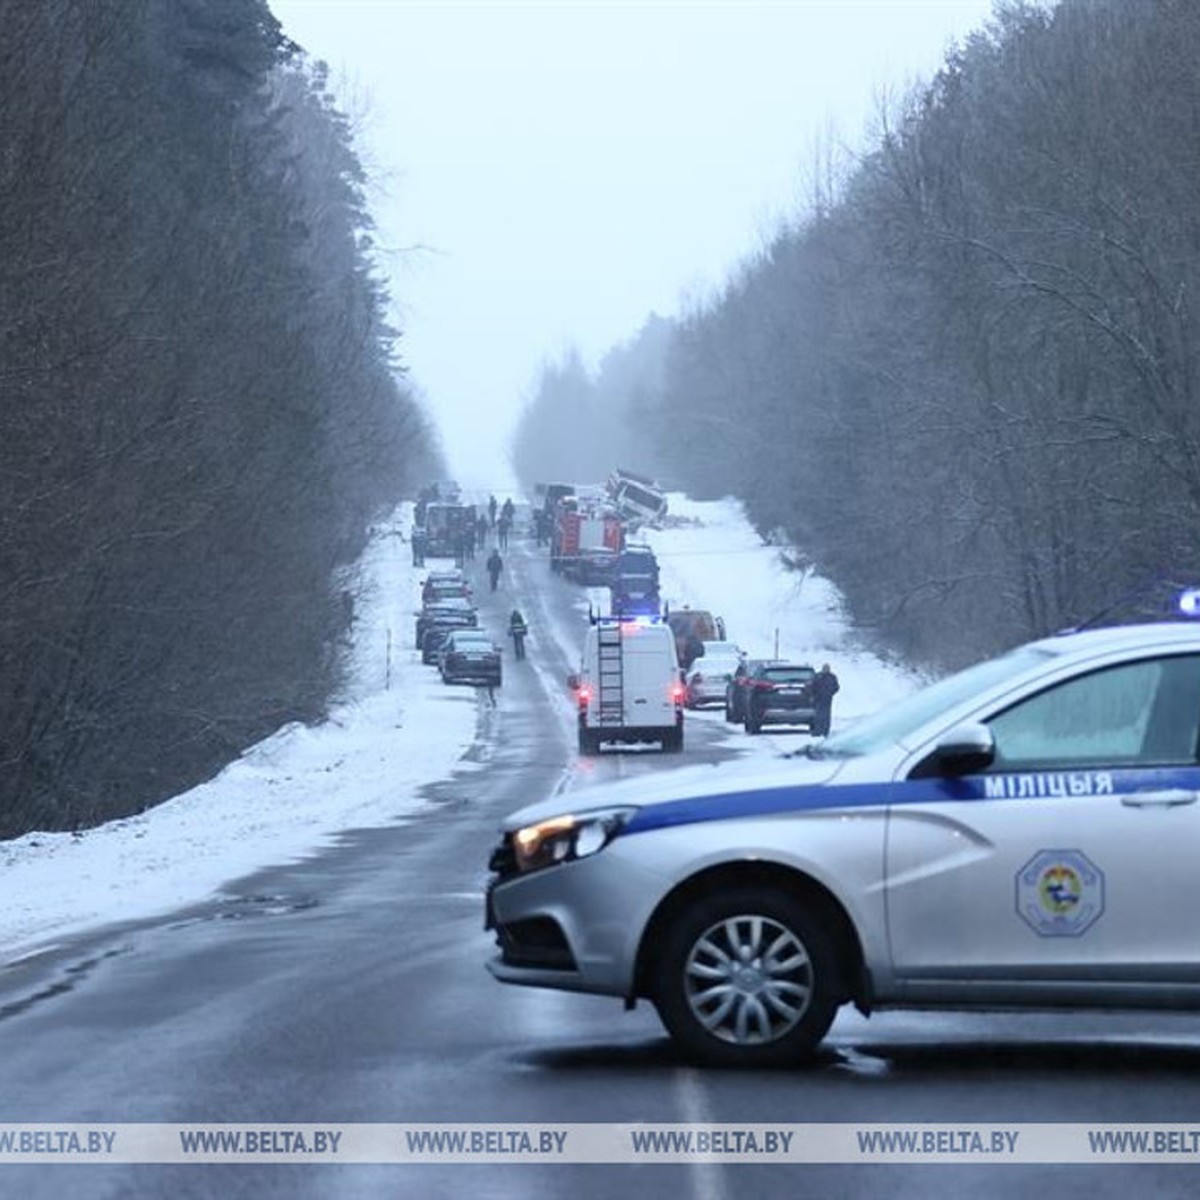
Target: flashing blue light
1189, 602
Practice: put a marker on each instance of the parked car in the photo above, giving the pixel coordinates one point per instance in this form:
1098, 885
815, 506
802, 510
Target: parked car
445, 585
739, 687
780, 693
444, 611
711, 673
1023, 834
470, 656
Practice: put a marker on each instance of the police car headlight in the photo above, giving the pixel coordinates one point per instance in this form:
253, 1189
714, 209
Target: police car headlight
564, 839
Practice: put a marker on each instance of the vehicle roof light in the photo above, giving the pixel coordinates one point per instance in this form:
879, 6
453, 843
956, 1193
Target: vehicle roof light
1189, 602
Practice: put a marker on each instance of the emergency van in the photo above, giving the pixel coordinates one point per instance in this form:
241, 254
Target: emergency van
628, 688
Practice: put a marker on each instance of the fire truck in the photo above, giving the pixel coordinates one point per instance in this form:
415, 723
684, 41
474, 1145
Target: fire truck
585, 540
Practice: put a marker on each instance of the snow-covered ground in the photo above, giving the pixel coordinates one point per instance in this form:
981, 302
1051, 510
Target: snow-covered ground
283, 799
711, 558
398, 729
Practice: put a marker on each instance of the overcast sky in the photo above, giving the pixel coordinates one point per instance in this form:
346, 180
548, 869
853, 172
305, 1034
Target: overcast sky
548, 174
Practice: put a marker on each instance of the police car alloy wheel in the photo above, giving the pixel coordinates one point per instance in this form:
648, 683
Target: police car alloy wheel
746, 980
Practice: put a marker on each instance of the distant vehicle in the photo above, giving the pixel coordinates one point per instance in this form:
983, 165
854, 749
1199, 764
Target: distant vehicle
738, 687
445, 585
445, 527
551, 494
455, 610
711, 673
633, 583
438, 630
628, 687
585, 540
780, 694
637, 497
469, 656
692, 627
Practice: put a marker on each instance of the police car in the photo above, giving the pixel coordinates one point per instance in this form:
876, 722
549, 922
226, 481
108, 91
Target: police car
1025, 832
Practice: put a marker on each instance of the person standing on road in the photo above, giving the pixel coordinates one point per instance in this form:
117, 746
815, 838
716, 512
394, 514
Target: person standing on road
502, 527
824, 687
491, 510
518, 629
495, 564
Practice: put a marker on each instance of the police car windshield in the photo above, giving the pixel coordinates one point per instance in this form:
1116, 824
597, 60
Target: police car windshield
896, 722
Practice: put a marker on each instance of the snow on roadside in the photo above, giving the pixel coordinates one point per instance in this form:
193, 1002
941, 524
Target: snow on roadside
290, 794
711, 558
284, 799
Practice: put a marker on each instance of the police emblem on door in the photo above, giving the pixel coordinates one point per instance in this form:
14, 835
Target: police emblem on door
1060, 893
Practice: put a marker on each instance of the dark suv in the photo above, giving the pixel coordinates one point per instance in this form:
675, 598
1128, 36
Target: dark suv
738, 687
780, 693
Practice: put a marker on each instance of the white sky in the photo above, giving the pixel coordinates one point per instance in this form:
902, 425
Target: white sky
567, 168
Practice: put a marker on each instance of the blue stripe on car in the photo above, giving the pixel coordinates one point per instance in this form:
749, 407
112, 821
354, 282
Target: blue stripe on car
834, 797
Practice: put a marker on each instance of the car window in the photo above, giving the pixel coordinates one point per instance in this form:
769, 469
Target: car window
893, 723
788, 674
1142, 713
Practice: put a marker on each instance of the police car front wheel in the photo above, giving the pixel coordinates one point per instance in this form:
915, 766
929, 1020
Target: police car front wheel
747, 979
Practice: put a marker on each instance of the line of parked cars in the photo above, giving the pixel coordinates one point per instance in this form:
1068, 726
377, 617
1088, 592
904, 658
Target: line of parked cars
448, 634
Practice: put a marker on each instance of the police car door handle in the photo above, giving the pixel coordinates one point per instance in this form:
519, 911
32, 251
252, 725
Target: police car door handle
1171, 798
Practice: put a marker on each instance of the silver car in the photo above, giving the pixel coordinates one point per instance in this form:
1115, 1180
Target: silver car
1025, 832
709, 675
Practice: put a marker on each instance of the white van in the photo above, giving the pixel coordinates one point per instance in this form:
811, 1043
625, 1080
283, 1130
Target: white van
628, 687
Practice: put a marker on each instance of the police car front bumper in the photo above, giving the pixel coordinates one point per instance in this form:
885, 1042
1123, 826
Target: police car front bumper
575, 927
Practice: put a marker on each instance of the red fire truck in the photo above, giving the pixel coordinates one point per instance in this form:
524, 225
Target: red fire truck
585, 540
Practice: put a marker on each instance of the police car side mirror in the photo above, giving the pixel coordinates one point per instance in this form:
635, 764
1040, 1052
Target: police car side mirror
962, 750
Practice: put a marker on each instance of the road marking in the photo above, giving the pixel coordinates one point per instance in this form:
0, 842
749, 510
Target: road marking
708, 1177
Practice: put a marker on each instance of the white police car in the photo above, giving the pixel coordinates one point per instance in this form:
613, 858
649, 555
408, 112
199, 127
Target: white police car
1025, 832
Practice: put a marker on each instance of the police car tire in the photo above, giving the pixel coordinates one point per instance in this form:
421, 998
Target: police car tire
798, 1043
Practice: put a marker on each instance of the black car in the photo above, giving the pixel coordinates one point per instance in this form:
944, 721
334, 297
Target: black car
739, 687
456, 610
780, 694
469, 656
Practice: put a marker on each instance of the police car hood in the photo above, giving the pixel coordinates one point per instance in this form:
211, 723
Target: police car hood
688, 783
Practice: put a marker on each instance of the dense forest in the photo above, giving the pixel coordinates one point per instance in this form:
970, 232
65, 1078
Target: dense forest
965, 382
200, 409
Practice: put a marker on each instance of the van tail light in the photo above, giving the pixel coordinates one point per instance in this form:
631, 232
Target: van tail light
677, 692
585, 694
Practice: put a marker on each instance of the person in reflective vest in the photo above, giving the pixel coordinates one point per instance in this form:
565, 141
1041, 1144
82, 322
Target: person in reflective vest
518, 629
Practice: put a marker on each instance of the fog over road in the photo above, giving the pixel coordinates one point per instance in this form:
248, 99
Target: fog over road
351, 988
